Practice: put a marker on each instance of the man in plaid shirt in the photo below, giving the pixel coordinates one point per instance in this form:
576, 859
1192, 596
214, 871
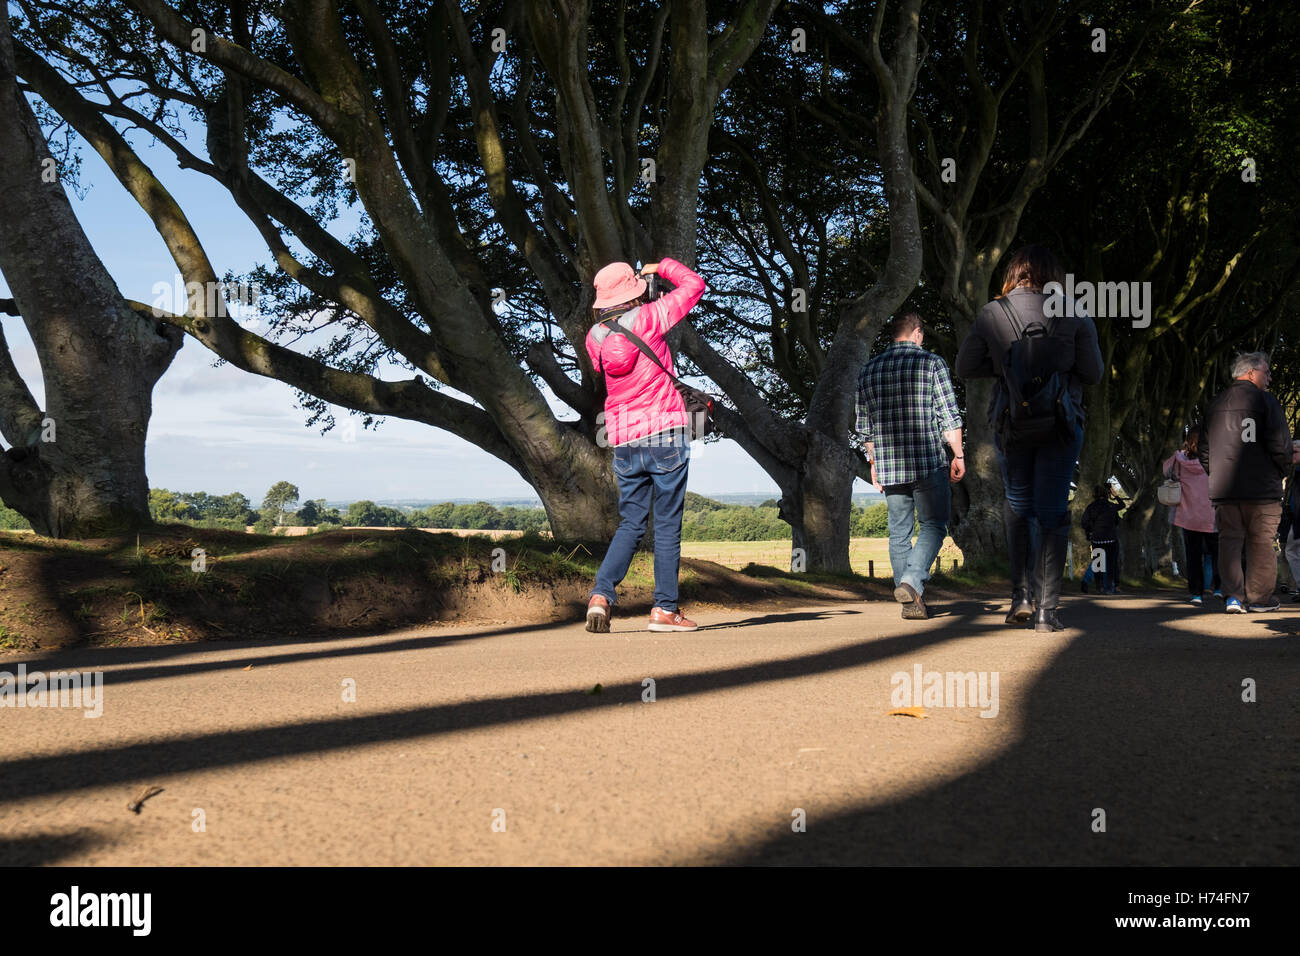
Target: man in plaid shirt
906, 411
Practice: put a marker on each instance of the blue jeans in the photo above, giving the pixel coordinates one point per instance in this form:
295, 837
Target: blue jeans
925, 502
1037, 514
655, 470
1037, 480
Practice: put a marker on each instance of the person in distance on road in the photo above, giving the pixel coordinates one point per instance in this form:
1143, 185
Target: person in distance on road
1100, 523
1194, 514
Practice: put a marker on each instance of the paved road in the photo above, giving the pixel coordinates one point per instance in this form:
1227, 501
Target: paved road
456, 733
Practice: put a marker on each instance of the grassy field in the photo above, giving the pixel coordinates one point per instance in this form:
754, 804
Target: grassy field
863, 554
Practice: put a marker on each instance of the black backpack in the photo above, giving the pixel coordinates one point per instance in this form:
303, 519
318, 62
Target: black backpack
1038, 407
699, 405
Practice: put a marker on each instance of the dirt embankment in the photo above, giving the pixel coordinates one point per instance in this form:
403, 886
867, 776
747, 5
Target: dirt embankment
178, 584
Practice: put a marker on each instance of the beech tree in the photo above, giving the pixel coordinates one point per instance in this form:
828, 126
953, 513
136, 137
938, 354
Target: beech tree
512, 147
74, 468
820, 165
1003, 96
485, 152
1203, 210
1042, 122
798, 219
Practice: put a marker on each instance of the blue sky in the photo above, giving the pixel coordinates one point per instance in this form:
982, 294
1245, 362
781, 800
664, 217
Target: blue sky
221, 430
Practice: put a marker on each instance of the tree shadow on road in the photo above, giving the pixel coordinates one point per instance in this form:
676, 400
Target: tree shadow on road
1156, 736
792, 617
36, 776
84, 659
88, 659
1135, 716
41, 849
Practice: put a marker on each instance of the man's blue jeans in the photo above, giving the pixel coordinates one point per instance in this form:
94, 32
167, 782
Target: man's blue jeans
925, 502
655, 470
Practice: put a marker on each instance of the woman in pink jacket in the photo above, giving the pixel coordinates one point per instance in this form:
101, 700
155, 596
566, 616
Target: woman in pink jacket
645, 420
1195, 514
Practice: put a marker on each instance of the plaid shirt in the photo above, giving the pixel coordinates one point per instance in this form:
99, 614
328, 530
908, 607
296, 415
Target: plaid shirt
905, 404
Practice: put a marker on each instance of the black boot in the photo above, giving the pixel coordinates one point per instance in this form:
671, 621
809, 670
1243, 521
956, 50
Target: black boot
1021, 608
1017, 529
1049, 567
1047, 621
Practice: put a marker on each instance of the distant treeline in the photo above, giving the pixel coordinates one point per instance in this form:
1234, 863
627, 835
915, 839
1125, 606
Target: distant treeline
705, 520
235, 511
709, 520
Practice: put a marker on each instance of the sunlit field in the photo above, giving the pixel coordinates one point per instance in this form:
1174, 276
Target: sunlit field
865, 554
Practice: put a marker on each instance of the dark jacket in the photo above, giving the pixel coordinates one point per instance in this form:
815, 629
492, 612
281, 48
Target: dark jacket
985, 347
1245, 470
1100, 520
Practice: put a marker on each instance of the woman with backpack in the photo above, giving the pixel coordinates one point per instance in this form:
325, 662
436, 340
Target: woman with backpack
1194, 513
1043, 350
647, 423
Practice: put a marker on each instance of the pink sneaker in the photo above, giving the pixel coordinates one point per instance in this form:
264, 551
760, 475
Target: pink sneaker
661, 620
598, 615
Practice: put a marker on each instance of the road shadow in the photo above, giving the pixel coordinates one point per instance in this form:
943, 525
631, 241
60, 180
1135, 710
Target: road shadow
26, 777
90, 659
42, 849
1135, 716
1142, 721
792, 617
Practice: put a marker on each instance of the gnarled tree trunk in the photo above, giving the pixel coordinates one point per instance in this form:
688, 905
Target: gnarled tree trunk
76, 467
818, 505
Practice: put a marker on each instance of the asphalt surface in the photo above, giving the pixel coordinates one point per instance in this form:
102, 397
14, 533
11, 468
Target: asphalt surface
1123, 740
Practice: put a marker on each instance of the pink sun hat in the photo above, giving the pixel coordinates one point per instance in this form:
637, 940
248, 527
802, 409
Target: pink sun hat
615, 284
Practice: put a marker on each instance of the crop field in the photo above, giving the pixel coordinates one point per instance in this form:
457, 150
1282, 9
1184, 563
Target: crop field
865, 554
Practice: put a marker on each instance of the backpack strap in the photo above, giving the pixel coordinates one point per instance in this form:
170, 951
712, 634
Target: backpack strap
605, 324
1019, 331
1017, 326
1011, 317
613, 326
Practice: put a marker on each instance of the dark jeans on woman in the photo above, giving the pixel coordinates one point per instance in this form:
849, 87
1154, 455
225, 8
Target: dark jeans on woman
655, 469
1037, 514
1197, 544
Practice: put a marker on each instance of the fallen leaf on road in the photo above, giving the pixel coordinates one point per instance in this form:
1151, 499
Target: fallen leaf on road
596, 690
917, 712
249, 667
135, 805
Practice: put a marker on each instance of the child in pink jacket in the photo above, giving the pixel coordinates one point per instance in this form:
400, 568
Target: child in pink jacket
645, 420
1194, 513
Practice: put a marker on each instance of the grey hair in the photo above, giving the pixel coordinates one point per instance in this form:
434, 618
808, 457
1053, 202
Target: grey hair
1248, 362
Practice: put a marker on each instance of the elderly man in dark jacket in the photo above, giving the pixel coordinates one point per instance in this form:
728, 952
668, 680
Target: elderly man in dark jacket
1246, 450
